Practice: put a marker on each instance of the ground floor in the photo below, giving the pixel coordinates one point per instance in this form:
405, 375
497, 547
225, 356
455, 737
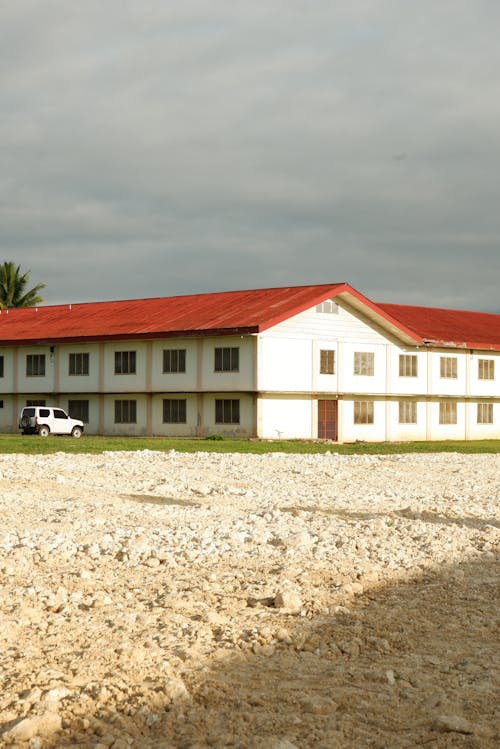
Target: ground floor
343, 418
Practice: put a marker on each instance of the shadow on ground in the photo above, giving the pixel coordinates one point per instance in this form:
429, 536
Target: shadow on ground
427, 516
406, 665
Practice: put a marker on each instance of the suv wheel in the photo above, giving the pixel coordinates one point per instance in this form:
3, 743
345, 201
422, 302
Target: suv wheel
76, 432
44, 431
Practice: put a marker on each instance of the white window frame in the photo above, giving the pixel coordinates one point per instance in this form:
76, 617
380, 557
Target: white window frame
227, 411
485, 369
408, 365
174, 361
174, 410
79, 362
448, 412
35, 365
448, 369
485, 413
364, 363
327, 361
407, 412
125, 411
364, 412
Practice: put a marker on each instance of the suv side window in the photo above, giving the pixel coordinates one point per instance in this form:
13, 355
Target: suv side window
44, 412
29, 412
58, 414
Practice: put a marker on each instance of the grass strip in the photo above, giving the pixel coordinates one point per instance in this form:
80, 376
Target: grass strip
35, 445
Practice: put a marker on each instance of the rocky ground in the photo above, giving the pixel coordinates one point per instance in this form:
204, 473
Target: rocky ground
271, 602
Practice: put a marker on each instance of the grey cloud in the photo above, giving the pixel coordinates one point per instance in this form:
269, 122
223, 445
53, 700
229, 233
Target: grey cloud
204, 147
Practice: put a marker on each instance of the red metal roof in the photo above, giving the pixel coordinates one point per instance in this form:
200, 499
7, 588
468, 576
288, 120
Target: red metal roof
237, 313
449, 327
228, 312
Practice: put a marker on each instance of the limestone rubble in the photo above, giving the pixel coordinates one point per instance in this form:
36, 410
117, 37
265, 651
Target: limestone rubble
160, 600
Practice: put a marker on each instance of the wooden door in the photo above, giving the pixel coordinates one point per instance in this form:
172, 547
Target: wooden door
327, 420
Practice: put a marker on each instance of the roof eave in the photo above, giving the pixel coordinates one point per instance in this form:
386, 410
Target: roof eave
434, 343
374, 313
132, 335
328, 291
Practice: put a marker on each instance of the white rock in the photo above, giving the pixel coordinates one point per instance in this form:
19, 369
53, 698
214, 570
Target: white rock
453, 724
288, 599
39, 725
53, 696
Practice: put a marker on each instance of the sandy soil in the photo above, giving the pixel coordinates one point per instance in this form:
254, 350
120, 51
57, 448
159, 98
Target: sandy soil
271, 602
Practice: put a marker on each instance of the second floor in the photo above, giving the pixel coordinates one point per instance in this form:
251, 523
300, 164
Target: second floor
251, 363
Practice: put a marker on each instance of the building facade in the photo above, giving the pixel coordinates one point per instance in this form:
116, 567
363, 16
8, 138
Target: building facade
311, 362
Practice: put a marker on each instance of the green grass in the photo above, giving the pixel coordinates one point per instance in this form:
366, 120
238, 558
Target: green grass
34, 445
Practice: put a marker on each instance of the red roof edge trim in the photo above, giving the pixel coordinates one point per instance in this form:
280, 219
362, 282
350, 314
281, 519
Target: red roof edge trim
325, 291
381, 313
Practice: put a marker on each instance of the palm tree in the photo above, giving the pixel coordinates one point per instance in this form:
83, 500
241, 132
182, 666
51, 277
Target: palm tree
13, 288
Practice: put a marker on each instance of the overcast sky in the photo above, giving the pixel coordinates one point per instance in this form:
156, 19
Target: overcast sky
153, 148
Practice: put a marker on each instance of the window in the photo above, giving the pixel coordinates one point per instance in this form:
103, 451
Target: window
78, 364
363, 412
35, 403
1, 366
327, 361
79, 410
486, 369
407, 365
227, 359
1, 404
448, 368
227, 411
124, 362
328, 307
35, 365
125, 412
407, 412
174, 360
363, 363
174, 411
447, 412
485, 413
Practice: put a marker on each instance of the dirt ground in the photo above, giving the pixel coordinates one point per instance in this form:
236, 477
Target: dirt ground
271, 602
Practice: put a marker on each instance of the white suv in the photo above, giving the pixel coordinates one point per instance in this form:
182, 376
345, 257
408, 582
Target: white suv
44, 420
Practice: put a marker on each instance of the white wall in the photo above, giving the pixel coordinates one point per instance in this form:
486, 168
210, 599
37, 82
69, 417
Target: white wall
289, 354
407, 385
174, 381
78, 383
285, 418
484, 388
446, 385
227, 381
352, 432
9, 414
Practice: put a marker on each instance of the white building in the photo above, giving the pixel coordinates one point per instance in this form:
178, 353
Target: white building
298, 362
